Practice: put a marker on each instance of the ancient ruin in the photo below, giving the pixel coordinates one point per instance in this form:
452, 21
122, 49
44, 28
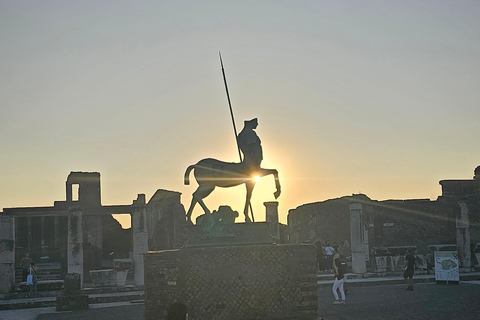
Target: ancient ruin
79, 235
382, 231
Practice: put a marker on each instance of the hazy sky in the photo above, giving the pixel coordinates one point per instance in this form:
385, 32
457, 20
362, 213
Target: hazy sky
377, 97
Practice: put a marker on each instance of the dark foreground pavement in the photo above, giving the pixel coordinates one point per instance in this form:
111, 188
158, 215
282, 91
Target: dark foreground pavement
427, 301
128, 311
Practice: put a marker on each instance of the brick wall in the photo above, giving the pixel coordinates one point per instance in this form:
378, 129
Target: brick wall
267, 282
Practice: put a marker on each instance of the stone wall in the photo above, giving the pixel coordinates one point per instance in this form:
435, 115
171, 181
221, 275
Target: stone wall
165, 220
7, 254
233, 282
417, 222
325, 221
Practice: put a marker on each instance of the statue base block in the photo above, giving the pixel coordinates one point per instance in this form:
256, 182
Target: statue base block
232, 234
268, 282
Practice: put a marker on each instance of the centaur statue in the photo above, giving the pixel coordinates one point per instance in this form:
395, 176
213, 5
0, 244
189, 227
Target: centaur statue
211, 173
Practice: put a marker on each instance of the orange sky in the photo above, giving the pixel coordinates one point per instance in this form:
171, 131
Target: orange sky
372, 97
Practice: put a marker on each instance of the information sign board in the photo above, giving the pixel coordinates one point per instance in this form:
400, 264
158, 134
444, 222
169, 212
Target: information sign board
446, 266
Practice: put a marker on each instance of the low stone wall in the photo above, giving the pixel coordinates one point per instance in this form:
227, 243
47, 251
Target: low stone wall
383, 264
268, 282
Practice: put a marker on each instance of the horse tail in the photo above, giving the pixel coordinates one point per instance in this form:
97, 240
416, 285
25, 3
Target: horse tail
187, 174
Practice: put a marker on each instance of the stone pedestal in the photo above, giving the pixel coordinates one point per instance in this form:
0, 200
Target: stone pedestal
70, 303
72, 283
463, 237
75, 242
268, 282
271, 216
271, 211
72, 298
140, 242
359, 264
121, 267
7, 254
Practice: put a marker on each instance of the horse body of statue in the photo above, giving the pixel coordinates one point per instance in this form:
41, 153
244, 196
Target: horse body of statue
211, 173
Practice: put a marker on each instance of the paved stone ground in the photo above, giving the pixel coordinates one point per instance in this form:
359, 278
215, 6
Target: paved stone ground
427, 301
122, 311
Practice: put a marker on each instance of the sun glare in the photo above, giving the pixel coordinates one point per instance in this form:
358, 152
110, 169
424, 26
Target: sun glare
256, 178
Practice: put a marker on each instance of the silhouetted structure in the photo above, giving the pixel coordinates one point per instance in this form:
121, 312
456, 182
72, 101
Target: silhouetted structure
416, 223
80, 234
211, 173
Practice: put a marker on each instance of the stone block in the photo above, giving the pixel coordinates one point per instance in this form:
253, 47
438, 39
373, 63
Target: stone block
72, 283
42, 285
72, 302
103, 278
232, 234
268, 282
122, 264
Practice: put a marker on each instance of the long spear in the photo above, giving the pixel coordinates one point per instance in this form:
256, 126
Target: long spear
233, 120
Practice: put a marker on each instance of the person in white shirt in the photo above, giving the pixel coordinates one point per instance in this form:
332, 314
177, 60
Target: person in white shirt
329, 251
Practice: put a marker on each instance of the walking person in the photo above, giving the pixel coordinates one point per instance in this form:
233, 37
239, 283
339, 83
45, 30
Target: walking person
409, 268
25, 264
33, 286
338, 284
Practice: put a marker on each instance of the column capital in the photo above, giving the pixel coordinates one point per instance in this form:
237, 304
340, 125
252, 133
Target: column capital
271, 204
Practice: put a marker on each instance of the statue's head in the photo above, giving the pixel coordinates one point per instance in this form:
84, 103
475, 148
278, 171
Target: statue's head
251, 123
476, 173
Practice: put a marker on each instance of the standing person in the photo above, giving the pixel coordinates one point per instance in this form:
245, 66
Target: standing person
33, 288
336, 247
409, 268
338, 284
329, 251
25, 264
320, 256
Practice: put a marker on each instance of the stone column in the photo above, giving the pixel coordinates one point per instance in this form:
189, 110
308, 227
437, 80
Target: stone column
7, 253
357, 238
57, 233
271, 215
271, 211
75, 241
43, 237
140, 241
463, 236
30, 234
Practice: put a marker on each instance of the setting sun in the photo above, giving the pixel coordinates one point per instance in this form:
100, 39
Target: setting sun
256, 178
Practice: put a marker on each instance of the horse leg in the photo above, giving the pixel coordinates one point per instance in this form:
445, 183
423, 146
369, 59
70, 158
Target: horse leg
201, 192
249, 186
204, 207
266, 172
190, 210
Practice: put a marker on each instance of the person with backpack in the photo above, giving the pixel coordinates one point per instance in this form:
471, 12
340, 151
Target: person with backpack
32, 279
